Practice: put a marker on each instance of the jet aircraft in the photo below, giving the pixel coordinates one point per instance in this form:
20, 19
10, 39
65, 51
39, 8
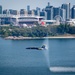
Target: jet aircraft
37, 48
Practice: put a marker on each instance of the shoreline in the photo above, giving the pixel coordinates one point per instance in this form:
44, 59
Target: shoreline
29, 38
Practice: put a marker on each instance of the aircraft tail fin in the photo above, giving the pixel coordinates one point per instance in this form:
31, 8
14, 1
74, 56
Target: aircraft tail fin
43, 46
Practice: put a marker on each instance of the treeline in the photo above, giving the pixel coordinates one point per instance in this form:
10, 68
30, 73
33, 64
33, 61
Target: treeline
38, 31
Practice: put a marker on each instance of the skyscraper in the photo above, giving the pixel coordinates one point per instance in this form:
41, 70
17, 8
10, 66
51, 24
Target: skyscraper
37, 11
63, 14
6, 11
49, 10
22, 12
51, 13
28, 8
10, 11
0, 9
73, 12
13, 12
67, 8
37, 8
32, 13
43, 13
56, 11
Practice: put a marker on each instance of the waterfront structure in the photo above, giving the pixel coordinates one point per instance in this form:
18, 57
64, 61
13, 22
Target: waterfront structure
0, 9
73, 12
19, 19
29, 20
71, 22
66, 6
49, 22
7, 19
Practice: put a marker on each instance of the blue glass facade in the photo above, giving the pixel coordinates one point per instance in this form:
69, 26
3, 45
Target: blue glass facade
73, 12
0, 9
49, 10
67, 8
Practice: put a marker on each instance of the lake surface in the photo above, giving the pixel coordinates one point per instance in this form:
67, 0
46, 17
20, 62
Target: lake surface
59, 59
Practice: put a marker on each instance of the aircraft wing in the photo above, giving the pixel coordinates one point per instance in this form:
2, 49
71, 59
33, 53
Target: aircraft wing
32, 48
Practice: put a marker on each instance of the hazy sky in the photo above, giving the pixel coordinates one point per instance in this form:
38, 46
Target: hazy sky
18, 4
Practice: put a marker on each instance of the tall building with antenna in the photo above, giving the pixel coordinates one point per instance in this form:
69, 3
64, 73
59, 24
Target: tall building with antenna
49, 10
66, 6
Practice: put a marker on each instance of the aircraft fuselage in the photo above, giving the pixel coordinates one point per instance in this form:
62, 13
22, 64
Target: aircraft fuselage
34, 48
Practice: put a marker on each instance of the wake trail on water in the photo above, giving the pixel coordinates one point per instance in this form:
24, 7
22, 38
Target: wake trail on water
62, 69
46, 52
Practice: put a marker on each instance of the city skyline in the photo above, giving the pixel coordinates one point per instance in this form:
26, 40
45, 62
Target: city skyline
63, 13
22, 4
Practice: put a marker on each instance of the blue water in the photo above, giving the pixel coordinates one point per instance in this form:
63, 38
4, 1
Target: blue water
16, 60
